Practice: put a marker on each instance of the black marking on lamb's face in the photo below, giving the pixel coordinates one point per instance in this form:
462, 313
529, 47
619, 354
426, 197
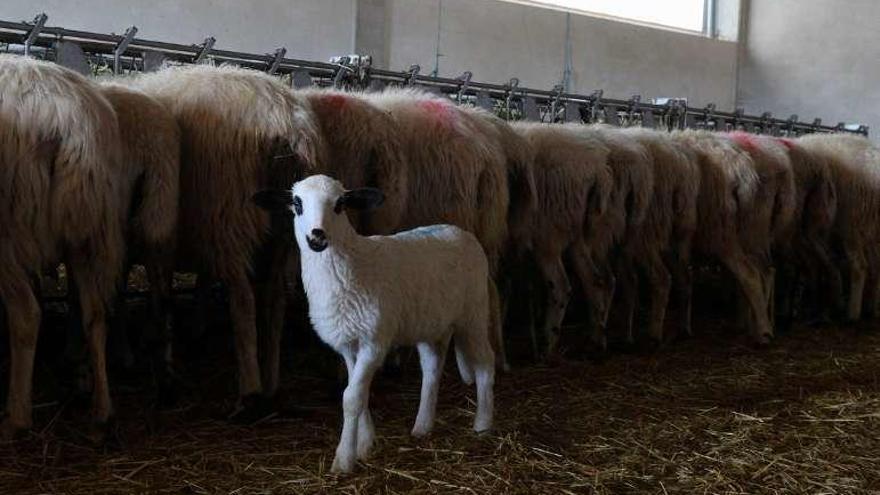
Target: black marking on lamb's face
317, 241
297, 205
339, 207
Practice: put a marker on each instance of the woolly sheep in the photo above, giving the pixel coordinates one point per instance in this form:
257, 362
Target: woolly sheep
573, 186
420, 287
62, 193
855, 169
729, 184
242, 131
662, 249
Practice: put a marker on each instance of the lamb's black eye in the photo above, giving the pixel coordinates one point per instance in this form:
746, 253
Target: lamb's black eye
340, 205
297, 205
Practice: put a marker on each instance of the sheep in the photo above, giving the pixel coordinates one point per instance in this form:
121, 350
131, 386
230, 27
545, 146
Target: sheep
151, 158
242, 130
853, 161
458, 172
774, 207
807, 244
613, 240
729, 185
662, 249
63, 196
419, 287
573, 186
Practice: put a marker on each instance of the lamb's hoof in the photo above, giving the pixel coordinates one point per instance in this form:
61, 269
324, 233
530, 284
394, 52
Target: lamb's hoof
342, 465
420, 431
483, 429
103, 433
253, 408
363, 449
10, 432
763, 340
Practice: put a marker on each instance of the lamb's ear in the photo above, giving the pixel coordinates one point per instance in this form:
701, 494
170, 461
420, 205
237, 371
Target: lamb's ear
365, 198
273, 199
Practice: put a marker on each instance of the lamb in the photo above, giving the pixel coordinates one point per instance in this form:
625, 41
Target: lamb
853, 161
573, 186
63, 194
729, 186
242, 131
420, 287
663, 247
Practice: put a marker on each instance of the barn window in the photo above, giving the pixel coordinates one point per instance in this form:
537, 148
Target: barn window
689, 15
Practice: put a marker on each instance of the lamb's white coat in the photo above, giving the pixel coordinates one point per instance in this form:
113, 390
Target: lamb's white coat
420, 287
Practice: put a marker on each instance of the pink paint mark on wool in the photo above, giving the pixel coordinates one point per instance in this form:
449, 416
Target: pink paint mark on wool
442, 112
748, 141
788, 143
335, 102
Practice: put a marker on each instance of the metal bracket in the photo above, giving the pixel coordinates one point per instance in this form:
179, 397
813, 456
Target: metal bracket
69, 54
121, 47
300, 78
485, 101
709, 121
34, 33
275, 62
633, 111
509, 103
204, 50
411, 75
464, 81
595, 106
556, 104
530, 109
765, 126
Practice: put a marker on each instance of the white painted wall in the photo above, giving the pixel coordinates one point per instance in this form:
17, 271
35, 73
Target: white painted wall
817, 58
494, 39
309, 29
497, 40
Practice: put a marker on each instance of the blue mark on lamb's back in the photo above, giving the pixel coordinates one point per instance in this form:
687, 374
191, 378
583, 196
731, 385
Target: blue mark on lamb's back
439, 230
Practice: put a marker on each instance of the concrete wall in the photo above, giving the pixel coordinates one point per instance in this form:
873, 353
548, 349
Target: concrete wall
310, 29
817, 58
498, 40
494, 39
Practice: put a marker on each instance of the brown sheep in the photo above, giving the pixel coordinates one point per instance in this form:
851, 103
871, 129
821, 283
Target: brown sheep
614, 239
573, 184
773, 211
662, 249
807, 244
151, 155
243, 131
729, 185
855, 169
457, 173
63, 196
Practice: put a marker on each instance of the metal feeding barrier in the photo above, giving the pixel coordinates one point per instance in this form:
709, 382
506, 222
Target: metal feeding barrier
89, 52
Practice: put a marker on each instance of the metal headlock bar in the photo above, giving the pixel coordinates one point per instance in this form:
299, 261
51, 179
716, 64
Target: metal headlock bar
125, 52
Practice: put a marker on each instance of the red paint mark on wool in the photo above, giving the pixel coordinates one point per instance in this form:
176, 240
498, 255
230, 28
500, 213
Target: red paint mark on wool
334, 101
442, 112
788, 143
748, 141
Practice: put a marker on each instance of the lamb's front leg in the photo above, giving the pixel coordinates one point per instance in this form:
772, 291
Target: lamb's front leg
432, 355
366, 433
354, 403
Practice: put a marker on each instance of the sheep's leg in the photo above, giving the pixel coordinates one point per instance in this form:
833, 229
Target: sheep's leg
628, 295
872, 287
23, 321
274, 304
120, 348
432, 355
683, 282
660, 281
595, 292
94, 314
829, 274
202, 302
857, 265
484, 372
750, 281
354, 403
159, 273
558, 294
496, 325
366, 432
244, 325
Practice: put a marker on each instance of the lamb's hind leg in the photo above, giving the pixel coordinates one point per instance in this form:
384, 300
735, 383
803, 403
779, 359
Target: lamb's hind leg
558, 295
23, 319
354, 403
432, 355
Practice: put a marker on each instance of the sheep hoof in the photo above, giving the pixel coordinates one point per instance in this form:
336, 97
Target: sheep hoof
103, 433
253, 408
342, 464
482, 430
420, 431
763, 340
10, 432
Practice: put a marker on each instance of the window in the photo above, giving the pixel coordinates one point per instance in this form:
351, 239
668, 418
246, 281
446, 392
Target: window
681, 14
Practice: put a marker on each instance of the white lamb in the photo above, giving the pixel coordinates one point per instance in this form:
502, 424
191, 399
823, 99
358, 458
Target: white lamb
420, 287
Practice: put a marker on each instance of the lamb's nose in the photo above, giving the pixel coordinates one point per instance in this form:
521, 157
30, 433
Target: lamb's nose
318, 234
